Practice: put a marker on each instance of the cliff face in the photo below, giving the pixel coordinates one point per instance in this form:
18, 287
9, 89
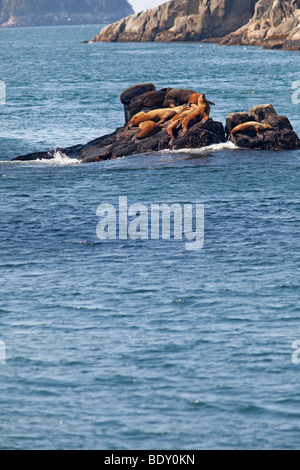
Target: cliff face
275, 25
181, 20
52, 12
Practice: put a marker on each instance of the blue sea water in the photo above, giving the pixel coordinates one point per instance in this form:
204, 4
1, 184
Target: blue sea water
142, 344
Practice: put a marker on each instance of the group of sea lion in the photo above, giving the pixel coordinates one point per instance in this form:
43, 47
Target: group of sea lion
172, 108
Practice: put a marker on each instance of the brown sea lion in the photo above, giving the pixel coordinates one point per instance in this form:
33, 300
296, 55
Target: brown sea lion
176, 121
137, 115
201, 114
151, 99
176, 97
147, 129
172, 129
158, 116
251, 126
179, 96
134, 91
193, 99
184, 112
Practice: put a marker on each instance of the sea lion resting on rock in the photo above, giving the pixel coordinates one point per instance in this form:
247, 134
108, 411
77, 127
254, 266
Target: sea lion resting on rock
151, 99
134, 91
158, 116
177, 120
251, 126
200, 114
147, 129
190, 117
184, 112
178, 96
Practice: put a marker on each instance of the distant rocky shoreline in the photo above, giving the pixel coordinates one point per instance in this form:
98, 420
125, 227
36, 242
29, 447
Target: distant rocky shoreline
61, 12
261, 129
271, 24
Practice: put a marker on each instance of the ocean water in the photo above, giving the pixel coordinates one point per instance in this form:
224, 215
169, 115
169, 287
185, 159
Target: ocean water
142, 344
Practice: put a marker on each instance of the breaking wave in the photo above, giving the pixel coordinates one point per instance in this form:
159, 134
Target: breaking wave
209, 148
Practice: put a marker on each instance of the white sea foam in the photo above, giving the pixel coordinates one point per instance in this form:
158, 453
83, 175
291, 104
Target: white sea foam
208, 149
59, 158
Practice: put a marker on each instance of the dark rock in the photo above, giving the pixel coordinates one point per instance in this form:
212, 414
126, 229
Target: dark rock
71, 152
201, 135
266, 114
235, 119
122, 143
281, 137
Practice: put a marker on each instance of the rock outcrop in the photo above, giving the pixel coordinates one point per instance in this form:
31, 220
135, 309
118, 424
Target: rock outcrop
281, 137
272, 24
181, 20
60, 12
275, 25
124, 142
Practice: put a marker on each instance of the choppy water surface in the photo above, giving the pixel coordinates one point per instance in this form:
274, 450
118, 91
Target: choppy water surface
142, 344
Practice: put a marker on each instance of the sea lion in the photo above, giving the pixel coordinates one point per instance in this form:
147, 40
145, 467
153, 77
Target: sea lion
151, 99
134, 91
138, 115
176, 121
251, 126
201, 114
184, 112
158, 116
178, 96
173, 128
193, 99
147, 129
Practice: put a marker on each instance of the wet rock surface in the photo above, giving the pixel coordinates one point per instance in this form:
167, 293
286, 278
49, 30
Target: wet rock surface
123, 141
280, 137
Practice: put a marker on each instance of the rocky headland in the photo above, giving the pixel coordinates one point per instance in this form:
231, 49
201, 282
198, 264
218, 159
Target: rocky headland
181, 20
273, 24
61, 12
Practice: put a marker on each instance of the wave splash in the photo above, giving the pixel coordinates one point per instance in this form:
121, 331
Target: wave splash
209, 148
59, 158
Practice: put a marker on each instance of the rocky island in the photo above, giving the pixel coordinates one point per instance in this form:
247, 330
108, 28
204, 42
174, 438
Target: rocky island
175, 119
273, 24
61, 12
